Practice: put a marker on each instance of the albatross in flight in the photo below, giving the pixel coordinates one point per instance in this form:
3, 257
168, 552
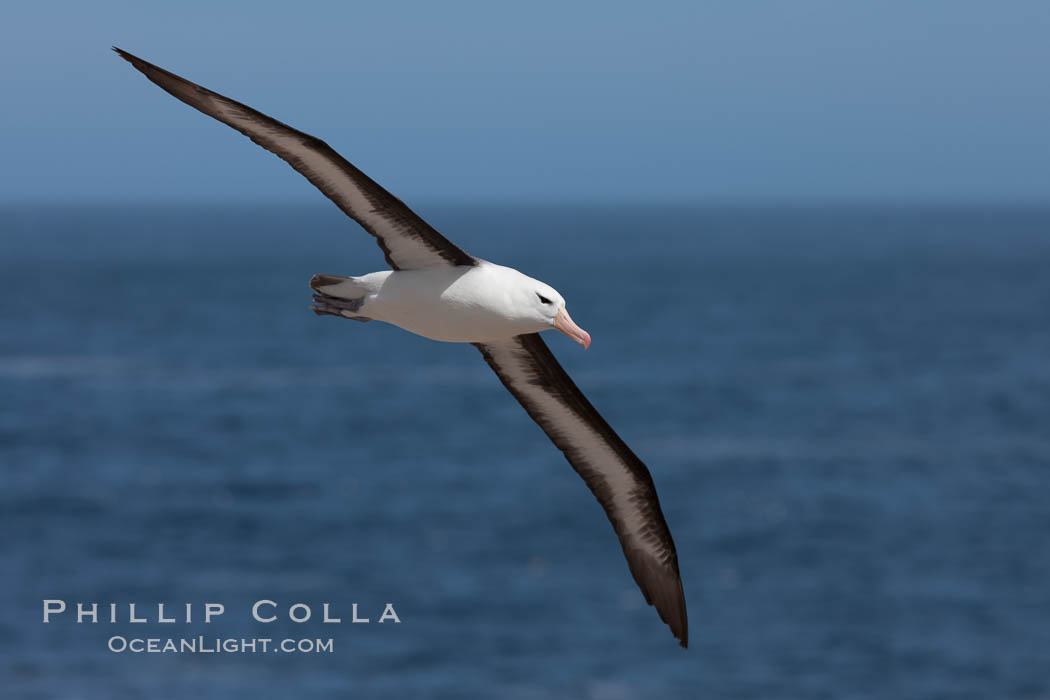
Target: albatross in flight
436, 290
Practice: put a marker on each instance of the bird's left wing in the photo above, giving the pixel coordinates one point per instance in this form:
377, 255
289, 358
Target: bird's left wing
618, 479
407, 241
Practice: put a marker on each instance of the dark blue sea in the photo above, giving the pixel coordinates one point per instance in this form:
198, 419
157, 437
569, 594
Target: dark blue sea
846, 412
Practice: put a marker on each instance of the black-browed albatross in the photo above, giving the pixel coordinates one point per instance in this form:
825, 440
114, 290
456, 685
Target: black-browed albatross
436, 290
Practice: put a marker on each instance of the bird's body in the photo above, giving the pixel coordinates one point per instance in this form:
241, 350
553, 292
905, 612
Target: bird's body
439, 291
461, 304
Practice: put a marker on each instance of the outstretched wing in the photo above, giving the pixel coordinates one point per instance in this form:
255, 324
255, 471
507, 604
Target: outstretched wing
617, 477
407, 241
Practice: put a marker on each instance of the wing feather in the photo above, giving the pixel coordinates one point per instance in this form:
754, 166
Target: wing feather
618, 479
407, 241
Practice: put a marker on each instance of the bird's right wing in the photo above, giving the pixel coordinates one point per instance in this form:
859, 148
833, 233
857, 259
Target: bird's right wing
618, 479
407, 241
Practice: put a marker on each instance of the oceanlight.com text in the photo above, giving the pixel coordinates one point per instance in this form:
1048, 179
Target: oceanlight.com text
218, 645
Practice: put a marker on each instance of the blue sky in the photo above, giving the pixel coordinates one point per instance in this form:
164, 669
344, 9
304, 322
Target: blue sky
484, 101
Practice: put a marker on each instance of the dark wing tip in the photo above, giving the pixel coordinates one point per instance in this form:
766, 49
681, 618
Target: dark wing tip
671, 608
145, 66
662, 588
125, 55
661, 585
148, 69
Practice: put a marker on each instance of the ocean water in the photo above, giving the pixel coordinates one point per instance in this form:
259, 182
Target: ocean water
846, 413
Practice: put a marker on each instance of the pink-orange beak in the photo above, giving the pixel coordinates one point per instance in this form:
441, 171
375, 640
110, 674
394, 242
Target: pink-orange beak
564, 323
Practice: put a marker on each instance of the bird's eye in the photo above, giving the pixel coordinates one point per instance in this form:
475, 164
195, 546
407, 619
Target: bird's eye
543, 299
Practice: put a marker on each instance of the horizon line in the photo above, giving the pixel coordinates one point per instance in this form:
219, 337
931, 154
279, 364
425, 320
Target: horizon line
582, 202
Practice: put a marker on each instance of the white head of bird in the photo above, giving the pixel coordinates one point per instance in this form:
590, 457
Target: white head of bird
539, 307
